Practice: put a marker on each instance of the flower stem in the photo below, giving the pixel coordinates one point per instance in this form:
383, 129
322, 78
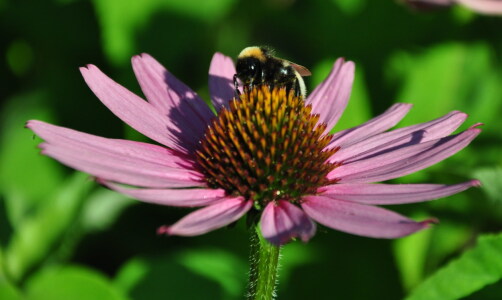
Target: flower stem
264, 260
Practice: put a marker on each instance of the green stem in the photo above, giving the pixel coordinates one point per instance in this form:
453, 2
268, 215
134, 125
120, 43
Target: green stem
264, 260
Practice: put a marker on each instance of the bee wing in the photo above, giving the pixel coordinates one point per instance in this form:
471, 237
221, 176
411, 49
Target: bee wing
300, 69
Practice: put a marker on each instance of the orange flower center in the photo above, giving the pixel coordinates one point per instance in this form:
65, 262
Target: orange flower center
267, 146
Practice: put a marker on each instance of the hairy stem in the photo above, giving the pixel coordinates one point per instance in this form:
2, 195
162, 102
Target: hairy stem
264, 260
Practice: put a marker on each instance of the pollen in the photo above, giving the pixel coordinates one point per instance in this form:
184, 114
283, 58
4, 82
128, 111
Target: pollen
266, 146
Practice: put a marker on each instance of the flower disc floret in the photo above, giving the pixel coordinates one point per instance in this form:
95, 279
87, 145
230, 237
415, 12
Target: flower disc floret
267, 146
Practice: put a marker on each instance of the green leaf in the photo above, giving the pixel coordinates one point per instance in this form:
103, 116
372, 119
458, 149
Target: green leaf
411, 255
98, 212
449, 77
102, 208
219, 266
476, 268
8, 292
119, 31
447, 238
491, 178
36, 237
294, 256
26, 177
71, 282
215, 273
416, 253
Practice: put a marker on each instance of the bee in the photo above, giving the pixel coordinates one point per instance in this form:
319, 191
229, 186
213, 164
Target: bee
258, 65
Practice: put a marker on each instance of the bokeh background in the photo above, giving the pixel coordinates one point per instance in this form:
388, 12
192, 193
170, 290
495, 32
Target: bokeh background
64, 237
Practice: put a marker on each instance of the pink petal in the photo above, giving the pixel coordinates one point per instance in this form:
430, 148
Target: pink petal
379, 124
489, 7
188, 112
402, 160
400, 137
125, 170
385, 194
221, 80
360, 219
122, 149
282, 221
210, 218
171, 197
330, 98
136, 112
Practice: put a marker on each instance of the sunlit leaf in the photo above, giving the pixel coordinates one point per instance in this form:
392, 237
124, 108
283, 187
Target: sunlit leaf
98, 211
119, 31
216, 274
476, 268
26, 178
411, 255
296, 255
131, 274
418, 252
102, 208
36, 237
449, 77
71, 282
447, 238
491, 178
462, 14
220, 266
8, 292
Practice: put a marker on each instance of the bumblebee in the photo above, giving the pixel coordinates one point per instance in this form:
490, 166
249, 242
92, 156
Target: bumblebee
257, 65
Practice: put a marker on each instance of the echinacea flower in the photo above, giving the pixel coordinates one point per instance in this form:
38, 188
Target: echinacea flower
268, 154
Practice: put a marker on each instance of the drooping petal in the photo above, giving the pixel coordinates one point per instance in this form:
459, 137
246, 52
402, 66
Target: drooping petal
221, 80
360, 219
171, 197
210, 218
386, 194
330, 98
380, 123
410, 135
403, 160
174, 99
128, 171
122, 149
136, 112
283, 221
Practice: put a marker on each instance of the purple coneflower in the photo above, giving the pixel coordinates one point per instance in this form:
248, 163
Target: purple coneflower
268, 154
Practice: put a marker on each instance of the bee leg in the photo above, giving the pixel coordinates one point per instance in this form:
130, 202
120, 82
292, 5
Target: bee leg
236, 85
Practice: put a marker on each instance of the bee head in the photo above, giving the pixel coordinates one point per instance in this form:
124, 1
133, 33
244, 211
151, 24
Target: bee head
248, 69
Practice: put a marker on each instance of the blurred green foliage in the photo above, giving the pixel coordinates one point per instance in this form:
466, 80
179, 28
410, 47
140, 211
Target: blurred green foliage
63, 237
